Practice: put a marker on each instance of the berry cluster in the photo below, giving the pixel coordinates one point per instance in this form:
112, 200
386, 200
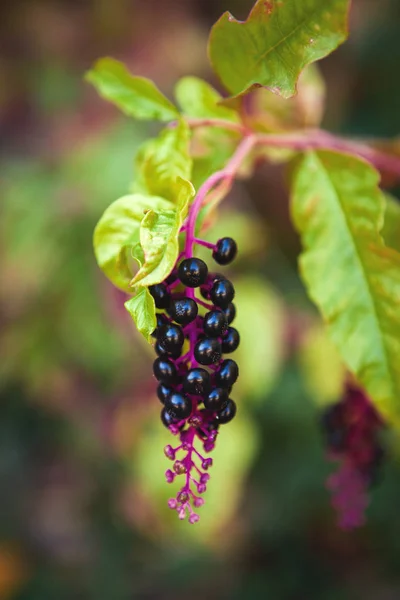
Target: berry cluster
351, 429
195, 381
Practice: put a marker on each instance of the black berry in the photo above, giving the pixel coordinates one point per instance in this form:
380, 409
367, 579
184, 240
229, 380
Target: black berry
216, 400
207, 351
222, 293
179, 406
227, 413
231, 341
215, 324
183, 310
165, 371
227, 374
193, 272
161, 351
197, 382
230, 312
225, 251
160, 294
170, 337
167, 418
163, 392
161, 320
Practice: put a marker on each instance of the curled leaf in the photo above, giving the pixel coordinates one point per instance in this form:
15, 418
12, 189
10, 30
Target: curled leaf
143, 311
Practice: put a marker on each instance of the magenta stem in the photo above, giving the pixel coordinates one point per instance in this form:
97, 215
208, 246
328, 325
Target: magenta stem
204, 243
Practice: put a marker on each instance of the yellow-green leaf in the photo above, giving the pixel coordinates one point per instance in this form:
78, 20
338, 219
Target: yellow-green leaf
199, 99
279, 38
143, 311
350, 274
391, 227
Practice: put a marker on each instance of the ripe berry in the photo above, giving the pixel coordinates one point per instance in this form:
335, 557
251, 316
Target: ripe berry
165, 371
167, 418
163, 392
215, 323
193, 272
207, 351
161, 320
216, 400
231, 341
222, 293
160, 294
179, 406
230, 312
227, 413
197, 382
183, 310
225, 251
161, 351
171, 337
227, 374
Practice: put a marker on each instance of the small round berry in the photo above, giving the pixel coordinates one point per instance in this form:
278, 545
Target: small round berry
197, 382
216, 400
172, 277
161, 351
215, 323
231, 341
230, 312
161, 320
227, 413
227, 374
167, 418
183, 310
207, 351
171, 337
165, 371
160, 294
193, 272
164, 392
225, 251
179, 406
222, 293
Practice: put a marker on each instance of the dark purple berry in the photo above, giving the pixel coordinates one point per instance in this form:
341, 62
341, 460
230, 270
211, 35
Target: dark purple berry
197, 382
167, 418
172, 277
215, 324
183, 310
161, 320
222, 293
207, 351
230, 312
171, 337
193, 272
227, 413
161, 351
163, 392
225, 251
216, 400
165, 371
160, 294
179, 406
227, 374
231, 341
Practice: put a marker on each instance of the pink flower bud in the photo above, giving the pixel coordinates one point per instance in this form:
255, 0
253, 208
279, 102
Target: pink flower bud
169, 476
207, 462
193, 518
169, 452
172, 503
198, 502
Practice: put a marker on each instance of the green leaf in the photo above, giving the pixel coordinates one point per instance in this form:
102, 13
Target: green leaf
159, 234
137, 97
391, 227
117, 236
275, 43
163, 162
199, 99
350, 274
143, 311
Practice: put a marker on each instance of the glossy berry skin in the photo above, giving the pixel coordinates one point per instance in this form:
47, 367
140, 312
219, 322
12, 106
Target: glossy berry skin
197, 382
179, 406
170, 337
161, 320
216, 400
231, 341
222, 293
215, 324
164, 392
165, 371
161, 351
160, 294
227, 374
227, 413
225, 251
230, 312
183, 310
193, 272
167, 419
207, 351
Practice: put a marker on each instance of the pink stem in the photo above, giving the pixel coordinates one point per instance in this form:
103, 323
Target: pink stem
204, 243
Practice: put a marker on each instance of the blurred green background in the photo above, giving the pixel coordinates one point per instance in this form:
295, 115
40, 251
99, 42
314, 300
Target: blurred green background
82, 501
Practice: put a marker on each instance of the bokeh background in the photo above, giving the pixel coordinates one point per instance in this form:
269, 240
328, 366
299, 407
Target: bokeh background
82, 494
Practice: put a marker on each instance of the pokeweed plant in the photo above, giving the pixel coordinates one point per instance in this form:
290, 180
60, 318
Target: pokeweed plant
145, 241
